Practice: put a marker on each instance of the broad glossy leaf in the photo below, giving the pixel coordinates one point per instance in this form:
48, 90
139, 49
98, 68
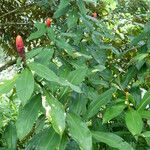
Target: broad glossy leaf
7, 85
49, 140
145, 101
134, 122
95, 105
112, 140
27, 116
112, 112
57, 114
10, 135
25, 86
49, 75
79, 131
43, 72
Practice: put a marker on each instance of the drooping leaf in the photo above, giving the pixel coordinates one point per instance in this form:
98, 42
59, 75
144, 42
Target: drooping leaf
79, 131
46, 139
49, 140
112, 140
134, 122
10, 135
27, 116
25, 86
112, 112
7, 85
95, 105
49, 75
145, 101
57, 114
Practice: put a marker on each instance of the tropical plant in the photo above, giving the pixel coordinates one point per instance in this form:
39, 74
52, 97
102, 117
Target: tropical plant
84, 84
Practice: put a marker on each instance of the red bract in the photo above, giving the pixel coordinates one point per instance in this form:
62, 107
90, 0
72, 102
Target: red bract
20, 47
48, 22
94, 15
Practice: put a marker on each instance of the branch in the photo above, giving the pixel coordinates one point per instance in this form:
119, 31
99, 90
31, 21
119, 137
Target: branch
8, 64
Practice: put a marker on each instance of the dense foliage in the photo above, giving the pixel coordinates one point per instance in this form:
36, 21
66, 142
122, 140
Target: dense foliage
84, 82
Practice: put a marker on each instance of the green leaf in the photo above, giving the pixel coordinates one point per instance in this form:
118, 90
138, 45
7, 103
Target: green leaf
145, 101
7, 85
78, 104
91, 1
128, 76
95, 105
10, 135
63, 143
72, 19
34, 52
146, 134
49, 75
62, 8
79, 131
145, 114
49, 140
25, 86
57, 114
27, 116
112, 112
82, 7
77, 76
112, 140
134, 122
40, 32
44, 56
51, 34
61, 43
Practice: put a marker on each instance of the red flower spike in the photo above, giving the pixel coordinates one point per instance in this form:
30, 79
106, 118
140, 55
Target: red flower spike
48, 22
20, 47
94, 15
